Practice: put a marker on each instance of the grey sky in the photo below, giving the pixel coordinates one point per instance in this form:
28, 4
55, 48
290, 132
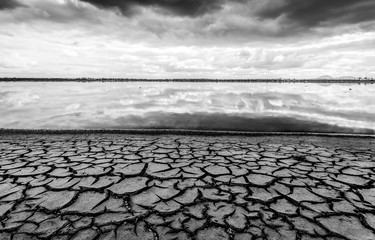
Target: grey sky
187, 38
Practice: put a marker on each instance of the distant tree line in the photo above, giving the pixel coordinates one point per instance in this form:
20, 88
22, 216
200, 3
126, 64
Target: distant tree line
276, 80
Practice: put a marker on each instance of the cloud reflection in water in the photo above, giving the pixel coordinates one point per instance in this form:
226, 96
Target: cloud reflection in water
210, 106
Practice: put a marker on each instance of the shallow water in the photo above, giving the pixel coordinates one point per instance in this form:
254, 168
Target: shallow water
310, 107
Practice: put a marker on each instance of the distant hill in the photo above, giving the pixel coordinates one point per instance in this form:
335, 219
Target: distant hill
329, 77
325, 77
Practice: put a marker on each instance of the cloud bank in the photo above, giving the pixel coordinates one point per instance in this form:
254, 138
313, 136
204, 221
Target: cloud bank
311, 13
9, 4
191, 8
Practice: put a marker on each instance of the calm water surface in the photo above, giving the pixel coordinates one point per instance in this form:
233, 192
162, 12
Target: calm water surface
308, 107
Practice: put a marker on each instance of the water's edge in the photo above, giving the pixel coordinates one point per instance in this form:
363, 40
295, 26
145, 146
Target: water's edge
173, 132
189, 80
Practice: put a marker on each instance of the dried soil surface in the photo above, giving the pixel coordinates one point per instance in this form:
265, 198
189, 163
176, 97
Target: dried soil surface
105, 187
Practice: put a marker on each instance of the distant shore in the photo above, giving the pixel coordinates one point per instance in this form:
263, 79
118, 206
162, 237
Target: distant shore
279, 80
4, 131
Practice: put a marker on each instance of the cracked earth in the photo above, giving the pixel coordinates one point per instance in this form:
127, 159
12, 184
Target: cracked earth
104, 187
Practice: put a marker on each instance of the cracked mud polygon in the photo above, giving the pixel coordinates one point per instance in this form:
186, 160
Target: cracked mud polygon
150, 187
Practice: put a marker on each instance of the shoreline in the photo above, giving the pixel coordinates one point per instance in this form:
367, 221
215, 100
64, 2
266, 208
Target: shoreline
189, 80
173, 132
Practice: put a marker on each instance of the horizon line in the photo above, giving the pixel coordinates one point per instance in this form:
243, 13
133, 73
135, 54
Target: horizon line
280, 80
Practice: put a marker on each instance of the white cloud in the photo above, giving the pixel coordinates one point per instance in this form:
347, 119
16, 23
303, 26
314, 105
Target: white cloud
70, 53
73, 107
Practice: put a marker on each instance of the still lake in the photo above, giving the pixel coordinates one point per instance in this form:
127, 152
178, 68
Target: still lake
261, 107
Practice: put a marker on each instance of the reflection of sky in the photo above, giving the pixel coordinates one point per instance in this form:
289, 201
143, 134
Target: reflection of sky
186, 105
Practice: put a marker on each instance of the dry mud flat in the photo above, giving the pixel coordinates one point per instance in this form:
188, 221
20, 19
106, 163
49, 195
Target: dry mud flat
186, 187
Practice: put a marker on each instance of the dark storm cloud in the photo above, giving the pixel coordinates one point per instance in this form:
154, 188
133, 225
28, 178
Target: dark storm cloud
312, 13
9, 4
177, 7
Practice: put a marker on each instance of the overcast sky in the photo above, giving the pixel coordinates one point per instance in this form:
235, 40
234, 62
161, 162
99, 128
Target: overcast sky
187, 38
